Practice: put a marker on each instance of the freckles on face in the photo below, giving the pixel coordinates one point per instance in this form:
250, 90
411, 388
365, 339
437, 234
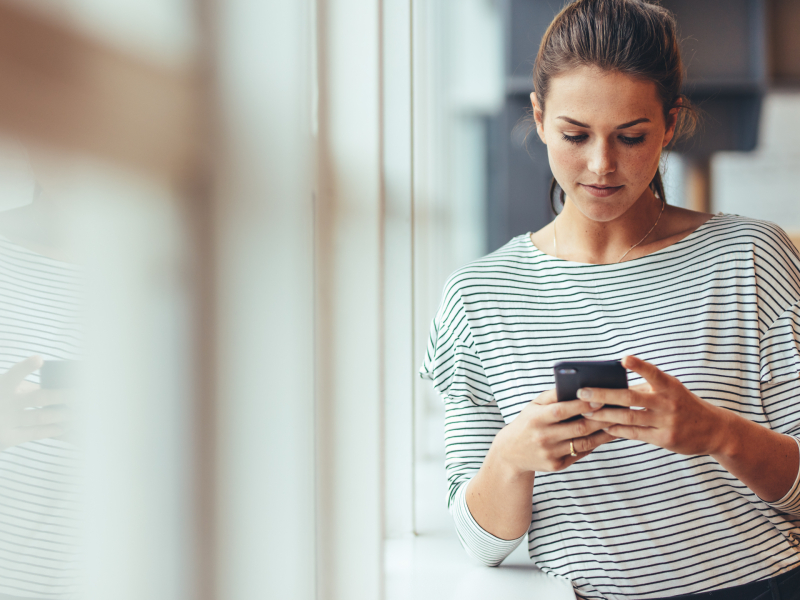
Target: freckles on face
604, 133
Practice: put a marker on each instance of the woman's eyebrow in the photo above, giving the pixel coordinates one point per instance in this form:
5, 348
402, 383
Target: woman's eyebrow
632, 123
574, 122
623, 126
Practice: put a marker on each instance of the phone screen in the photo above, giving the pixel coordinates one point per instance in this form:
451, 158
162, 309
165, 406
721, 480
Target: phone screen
576, 374
58, 374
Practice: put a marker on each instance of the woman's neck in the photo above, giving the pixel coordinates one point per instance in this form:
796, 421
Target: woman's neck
578, 238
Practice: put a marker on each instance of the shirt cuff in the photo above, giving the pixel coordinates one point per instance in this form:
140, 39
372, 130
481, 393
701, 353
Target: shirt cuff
478, 542
790, 503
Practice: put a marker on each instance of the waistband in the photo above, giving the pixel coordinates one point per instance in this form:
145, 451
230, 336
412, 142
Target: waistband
789, 581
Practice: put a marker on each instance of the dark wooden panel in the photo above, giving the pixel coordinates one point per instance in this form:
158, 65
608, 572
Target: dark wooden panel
785, 41
720, 39
66, 90
729, 122
725, 49
519, 176
528, 22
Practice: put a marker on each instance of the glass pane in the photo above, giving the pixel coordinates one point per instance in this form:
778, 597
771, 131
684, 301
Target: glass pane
761, 184
162, 30
42, 307
94, 472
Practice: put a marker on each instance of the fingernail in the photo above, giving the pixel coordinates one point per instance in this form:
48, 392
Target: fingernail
584, 394
595, 405
589, 414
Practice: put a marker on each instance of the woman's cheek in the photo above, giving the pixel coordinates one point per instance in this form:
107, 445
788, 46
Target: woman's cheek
565, 160
648, 162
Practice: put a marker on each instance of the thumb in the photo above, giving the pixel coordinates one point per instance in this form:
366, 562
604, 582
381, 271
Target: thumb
548, 397
657, 379
11, 379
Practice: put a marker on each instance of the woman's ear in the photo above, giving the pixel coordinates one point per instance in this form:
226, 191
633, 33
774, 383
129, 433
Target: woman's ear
538, 117
672, 122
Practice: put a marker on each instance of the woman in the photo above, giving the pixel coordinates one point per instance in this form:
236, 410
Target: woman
697, 489
41, 308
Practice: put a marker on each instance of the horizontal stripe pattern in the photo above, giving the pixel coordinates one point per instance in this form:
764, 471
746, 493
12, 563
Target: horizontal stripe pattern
40, 500
719, 311
790, 502
479, 543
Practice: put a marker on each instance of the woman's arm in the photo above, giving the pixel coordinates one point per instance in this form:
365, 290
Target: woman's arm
674, 418
765, 461
499, 495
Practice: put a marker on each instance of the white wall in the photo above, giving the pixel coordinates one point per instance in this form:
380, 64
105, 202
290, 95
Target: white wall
265, 466
399, 356
763, 184
349, 286
135, 416
161, 30
447, 55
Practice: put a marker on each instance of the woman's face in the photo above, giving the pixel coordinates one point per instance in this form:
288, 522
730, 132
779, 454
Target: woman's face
604, 133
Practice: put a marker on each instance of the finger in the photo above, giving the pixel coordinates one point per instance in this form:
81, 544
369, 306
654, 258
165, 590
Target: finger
18, 372
586, 427
578, 428
596, 424
630, 432
657, 379
586, 445
26, 387
598, 397
560, 411
548, 397
22, 435
38, 398
38, 417
583, 446
625, 416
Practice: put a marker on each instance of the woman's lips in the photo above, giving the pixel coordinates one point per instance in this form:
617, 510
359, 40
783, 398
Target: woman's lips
603, 191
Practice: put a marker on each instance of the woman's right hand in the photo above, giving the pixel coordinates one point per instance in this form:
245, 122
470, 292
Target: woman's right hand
27, 412
539, 438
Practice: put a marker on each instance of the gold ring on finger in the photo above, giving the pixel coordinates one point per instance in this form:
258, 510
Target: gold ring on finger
572, 449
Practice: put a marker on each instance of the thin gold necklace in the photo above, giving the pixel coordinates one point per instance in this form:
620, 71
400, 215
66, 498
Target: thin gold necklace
663, 206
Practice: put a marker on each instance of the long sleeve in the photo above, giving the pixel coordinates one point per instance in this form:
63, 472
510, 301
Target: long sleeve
790, 503
469, 431
780, 394
779, 348
472, 419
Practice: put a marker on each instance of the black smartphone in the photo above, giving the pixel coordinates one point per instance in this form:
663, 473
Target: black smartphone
58, 374
572, 375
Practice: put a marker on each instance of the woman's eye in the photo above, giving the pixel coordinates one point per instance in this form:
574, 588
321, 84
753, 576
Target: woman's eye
574, 139
631, 141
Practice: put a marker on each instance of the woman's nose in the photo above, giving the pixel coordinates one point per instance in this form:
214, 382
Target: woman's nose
601, 160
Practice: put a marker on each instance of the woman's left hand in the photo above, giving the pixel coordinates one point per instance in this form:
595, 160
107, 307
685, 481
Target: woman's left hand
672, 417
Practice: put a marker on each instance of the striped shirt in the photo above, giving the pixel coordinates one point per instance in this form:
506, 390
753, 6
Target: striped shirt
719, 310
40, 504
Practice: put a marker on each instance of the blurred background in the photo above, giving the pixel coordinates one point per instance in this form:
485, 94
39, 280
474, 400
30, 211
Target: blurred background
225, 227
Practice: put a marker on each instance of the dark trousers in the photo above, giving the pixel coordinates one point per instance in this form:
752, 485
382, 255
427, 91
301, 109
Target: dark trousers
782, 587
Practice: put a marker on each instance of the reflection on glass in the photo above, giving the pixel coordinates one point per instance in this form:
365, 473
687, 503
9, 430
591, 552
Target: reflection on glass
40, 315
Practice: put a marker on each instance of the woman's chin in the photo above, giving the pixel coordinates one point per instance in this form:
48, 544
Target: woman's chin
601, 210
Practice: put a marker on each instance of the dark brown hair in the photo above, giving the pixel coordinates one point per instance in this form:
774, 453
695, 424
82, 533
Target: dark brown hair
634, 37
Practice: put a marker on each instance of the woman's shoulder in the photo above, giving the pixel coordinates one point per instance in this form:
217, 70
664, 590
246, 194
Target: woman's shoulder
502, 267
516, 254
764, 245
746, 232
